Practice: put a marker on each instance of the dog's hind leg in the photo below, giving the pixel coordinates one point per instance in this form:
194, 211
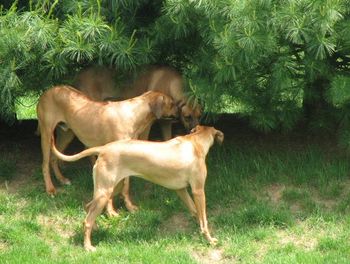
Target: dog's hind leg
126, 197
103, 190
110, 210
187, 200
63, 140
46, 132
95, 208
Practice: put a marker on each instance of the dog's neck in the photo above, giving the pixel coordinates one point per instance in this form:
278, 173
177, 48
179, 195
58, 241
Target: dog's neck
205, 139
144, 117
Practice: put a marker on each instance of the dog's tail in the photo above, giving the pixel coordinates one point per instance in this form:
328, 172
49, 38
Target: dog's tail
83, 154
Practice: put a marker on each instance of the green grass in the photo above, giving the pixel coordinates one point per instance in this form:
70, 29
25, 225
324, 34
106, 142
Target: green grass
268, 201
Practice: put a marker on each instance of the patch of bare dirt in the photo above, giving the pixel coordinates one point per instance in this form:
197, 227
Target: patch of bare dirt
275, 192
21, 146
306, 240
176, 223
346, 185
331, 203
212, 256
59, 225
261, 251
4, 246
296, 208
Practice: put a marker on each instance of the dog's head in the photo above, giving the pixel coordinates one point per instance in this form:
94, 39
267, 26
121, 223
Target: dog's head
190, 114
217, 134
163, 106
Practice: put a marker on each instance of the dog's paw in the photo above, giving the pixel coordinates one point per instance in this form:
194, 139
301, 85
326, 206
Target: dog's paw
112, 213
132, 208
66, 181
51, 191
213, 241
90, 248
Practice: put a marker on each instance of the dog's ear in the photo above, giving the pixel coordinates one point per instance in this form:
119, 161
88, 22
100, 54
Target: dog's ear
157, 106
195, 129
219, 137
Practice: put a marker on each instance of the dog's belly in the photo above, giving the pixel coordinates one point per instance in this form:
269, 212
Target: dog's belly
172, 182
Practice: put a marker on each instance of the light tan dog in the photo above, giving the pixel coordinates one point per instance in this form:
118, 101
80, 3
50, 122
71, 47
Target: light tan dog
99, 84
94, 124
174, 164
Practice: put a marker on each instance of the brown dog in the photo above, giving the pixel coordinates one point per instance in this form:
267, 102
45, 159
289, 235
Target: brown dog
94, 123
99, 84
174, 164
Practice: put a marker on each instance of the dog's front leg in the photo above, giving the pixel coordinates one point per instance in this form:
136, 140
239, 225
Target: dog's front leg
145, 134
187, 200
165, 126
199, 200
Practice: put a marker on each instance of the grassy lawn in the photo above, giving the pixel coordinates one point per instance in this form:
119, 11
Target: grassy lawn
269, 201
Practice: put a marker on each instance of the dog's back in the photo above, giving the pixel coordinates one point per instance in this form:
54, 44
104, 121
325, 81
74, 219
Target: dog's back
161, 79
164, 163
99, 83
61, 93
60, 98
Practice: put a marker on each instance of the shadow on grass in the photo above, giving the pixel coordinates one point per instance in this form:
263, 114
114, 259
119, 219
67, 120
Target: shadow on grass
146, 225
156, 204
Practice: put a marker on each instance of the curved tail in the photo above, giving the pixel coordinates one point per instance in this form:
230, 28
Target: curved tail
83, 154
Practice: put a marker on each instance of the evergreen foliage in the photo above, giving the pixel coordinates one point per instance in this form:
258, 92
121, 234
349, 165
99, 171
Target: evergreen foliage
281, 60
